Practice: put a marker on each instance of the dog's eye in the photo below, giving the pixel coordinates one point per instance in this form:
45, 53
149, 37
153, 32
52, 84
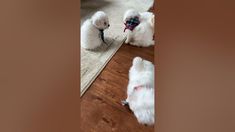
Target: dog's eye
105, 23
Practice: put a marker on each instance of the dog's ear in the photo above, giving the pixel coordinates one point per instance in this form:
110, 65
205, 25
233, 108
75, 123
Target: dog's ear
131, 13
96, 22
125, 19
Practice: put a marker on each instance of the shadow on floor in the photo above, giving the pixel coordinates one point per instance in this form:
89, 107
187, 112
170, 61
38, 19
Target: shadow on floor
89, 7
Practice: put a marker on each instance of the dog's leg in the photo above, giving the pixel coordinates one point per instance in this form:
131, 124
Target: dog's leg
128, 37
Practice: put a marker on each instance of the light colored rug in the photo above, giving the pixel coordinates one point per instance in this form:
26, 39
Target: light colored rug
92, 62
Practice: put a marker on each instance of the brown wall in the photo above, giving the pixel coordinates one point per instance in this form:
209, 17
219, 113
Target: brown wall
39, 66
196, 74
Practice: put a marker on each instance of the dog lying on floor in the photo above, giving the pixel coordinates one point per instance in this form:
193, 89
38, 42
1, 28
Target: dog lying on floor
140, 28
92, 31
140, 90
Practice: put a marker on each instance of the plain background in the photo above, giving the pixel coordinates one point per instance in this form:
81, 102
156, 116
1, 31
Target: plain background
196, 75
39, 70
39, 66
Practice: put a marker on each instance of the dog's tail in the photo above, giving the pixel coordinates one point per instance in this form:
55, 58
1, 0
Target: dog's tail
138, 63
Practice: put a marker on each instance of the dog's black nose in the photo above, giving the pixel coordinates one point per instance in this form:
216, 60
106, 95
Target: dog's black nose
108, 25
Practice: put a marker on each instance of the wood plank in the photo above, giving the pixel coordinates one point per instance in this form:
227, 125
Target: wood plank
101, 109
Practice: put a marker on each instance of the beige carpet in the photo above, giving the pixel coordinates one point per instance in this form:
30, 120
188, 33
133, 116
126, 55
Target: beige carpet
92, 62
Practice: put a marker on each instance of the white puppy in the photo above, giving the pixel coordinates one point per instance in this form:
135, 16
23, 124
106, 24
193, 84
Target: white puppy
140, 90
92, 35
140, 28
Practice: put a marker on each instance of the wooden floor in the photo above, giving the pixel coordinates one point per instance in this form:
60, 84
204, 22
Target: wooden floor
101, 109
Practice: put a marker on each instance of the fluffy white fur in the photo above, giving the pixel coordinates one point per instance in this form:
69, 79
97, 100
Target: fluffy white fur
141, 101
90, 34
142, 35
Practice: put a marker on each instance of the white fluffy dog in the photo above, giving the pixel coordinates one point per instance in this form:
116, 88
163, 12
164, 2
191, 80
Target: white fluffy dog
140, 28
92, 30
140, 90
